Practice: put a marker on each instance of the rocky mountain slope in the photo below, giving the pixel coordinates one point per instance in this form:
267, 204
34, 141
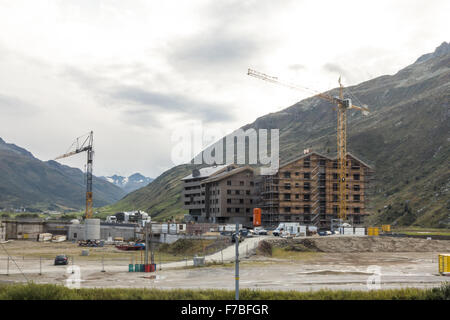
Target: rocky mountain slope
406, 138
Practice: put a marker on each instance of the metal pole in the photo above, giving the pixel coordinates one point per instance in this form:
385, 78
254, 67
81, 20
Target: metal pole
103, 263
40, 266
236, 277
221, 252
7, 267
146, 243
73, 270
152, 256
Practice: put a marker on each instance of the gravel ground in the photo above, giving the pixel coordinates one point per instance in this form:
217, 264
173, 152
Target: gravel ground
332, 270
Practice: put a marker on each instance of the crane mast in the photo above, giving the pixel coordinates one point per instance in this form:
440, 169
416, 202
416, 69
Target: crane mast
81, 145
342, 106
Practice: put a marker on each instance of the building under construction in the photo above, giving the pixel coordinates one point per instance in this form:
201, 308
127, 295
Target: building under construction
306, 190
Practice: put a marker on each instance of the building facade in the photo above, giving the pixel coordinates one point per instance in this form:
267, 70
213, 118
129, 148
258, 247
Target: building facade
223, 194
194, 195
305, 190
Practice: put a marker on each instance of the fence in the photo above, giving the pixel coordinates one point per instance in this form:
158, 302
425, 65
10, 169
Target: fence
44, 265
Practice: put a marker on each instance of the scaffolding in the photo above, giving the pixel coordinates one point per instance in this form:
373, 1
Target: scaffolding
321, 208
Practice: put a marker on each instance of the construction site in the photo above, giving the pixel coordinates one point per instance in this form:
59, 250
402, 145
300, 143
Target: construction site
304, 227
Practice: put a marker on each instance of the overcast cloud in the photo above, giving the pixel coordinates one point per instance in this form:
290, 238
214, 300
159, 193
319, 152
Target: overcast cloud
134, 71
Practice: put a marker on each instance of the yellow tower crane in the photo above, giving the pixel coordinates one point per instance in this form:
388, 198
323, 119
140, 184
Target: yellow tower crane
342, 106
81, 144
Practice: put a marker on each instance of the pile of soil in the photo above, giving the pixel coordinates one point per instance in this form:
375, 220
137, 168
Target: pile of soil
361, 244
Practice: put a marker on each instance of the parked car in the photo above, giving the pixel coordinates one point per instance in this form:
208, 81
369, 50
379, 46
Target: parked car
61, 259
260, 231
243, 232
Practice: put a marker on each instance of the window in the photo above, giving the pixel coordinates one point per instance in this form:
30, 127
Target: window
287, 186
335, 198
306, 197
237, 210
297, 185
356, 209
307, 209
297, 173
322, 162
307, 175
287, 209
247, 192
307, 185
228, 200
228, 191
356, 197
247, 210
287, 196
335, 176
335, 164
335, 187
252, 183
241, 183
238, 192
228, 209
306, 163
229, 183
297, 196
241, 201
356, 187
335, 209
287, 174
356, 177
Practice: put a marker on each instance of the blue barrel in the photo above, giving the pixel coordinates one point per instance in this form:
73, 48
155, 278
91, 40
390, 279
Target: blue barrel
142, 267
130, 267
137, 268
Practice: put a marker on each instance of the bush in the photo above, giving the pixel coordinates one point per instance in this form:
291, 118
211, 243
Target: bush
264, 248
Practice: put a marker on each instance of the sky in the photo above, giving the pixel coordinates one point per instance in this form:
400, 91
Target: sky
135, 71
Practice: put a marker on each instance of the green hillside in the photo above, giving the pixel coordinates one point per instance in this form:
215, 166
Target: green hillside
406, 138
31, 183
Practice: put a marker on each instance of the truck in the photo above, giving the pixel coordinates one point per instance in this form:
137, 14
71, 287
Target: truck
291, 228
111, 219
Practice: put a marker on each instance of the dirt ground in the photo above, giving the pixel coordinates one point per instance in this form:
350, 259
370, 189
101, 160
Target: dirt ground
396, 263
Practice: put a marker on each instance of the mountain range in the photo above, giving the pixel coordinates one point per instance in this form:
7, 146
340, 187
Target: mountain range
28, 182
406, 138
129, 184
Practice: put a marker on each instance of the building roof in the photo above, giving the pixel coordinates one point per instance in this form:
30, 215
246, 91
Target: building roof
209, 171
324, 156
227, 174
